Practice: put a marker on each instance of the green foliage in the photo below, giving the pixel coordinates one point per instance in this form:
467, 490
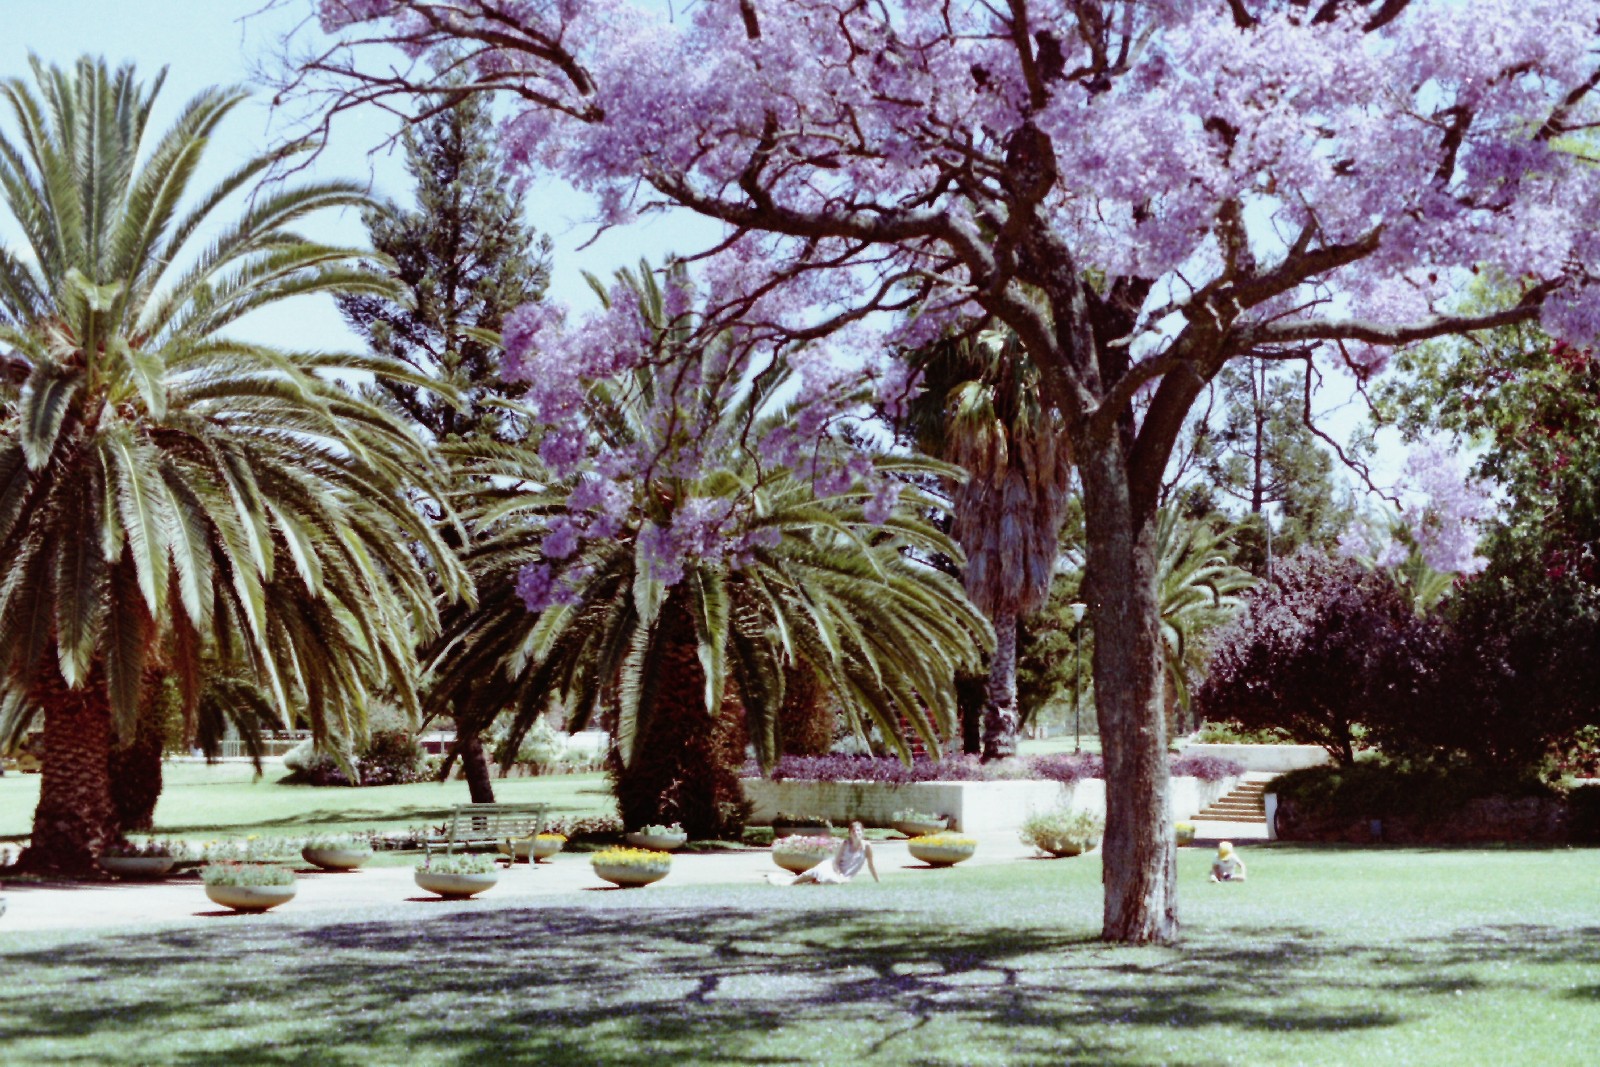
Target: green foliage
825, 591
1230, 732
459, 863
1252, 450
246, 874
464, 259
1382, 788
170, 494
1063, 832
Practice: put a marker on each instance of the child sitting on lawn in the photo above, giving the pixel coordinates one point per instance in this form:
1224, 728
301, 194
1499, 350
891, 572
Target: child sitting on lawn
1228, 866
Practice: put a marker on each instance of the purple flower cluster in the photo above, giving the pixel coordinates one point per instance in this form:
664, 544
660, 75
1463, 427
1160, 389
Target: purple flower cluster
1444, 508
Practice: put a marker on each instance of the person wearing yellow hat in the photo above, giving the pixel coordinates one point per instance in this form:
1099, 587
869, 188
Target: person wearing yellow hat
1228, 867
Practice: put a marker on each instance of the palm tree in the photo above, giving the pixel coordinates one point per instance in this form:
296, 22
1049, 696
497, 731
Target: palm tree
171, 498
982, 411
821, 591
1199, 589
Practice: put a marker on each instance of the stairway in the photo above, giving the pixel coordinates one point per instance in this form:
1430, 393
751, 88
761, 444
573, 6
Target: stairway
1245, 804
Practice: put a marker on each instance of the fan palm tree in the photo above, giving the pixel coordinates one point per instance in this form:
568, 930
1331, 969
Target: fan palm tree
983, 412
171, 498
821, 591
1199, 589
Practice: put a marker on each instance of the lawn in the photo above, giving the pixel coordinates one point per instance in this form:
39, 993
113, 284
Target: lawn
227, 800
1326, 956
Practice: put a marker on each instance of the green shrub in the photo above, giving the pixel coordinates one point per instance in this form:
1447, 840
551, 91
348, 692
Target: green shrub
1382, 788
1063, 832
247, 874
458, 863
1583, 815
1232, 733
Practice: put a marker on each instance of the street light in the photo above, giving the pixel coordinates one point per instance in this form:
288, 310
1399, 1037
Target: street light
1077, 672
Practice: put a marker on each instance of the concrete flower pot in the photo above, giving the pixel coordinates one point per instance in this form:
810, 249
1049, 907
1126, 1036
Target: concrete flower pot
143, 868
335, 859
918, 827
939, 853
797, 862
538, 849
658, 842
456, 886
250, 898
629, 876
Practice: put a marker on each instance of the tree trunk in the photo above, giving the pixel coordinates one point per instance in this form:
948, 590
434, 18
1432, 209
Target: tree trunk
475, 768
970, 702
1141, 899
75, 819
1000, 709
685, 767
135, 767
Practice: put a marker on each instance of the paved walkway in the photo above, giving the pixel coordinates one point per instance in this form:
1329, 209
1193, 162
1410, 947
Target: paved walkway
183, 899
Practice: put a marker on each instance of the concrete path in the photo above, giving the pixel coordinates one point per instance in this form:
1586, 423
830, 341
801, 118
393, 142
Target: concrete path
182, 900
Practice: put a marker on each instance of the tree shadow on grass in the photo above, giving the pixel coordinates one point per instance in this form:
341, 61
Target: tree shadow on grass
643, 984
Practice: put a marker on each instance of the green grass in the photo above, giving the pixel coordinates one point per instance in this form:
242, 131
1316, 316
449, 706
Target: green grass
227, 800
1051, 746
1326, 956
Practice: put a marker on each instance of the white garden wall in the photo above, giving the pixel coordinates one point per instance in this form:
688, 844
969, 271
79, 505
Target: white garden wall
973, 806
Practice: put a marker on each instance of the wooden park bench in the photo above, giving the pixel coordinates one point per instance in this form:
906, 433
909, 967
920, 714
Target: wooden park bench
490, 824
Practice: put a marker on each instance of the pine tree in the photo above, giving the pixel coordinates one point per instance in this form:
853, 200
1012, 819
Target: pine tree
1261, 452
467, 259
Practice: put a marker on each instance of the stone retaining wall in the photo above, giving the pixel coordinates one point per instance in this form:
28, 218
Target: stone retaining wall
972, 806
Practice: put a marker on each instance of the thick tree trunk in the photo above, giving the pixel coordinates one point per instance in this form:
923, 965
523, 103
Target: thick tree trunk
135, 767
1000, 709
685, 767
75, 819
475, 767
1141, 898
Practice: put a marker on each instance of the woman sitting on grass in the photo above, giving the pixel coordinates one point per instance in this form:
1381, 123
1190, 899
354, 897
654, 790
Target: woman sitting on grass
846, 864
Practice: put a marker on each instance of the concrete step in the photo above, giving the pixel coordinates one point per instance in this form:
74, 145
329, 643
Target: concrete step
1246, 803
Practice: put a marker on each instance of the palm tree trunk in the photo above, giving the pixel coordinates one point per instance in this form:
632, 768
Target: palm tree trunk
75, 818
681, 769
805, 722
1141, 889
135, 767
1000, 712
475, 768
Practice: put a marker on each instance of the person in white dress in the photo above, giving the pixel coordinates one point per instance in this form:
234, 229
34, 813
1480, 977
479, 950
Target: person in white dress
853, 854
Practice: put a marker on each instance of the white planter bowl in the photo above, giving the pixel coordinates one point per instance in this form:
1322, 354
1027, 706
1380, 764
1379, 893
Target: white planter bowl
250, 897
940, 855
798, 862
138, 867
335, 859
918, 827
658, 842
630, 877
456, 886
540, 848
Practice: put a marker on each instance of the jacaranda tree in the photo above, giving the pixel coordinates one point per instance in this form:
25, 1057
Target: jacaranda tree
173, 501
1142, 190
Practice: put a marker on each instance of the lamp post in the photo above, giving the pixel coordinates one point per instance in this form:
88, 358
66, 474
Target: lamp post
1077, 672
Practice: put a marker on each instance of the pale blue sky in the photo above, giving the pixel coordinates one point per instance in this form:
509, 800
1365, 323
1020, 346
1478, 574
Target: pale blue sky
218, 42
